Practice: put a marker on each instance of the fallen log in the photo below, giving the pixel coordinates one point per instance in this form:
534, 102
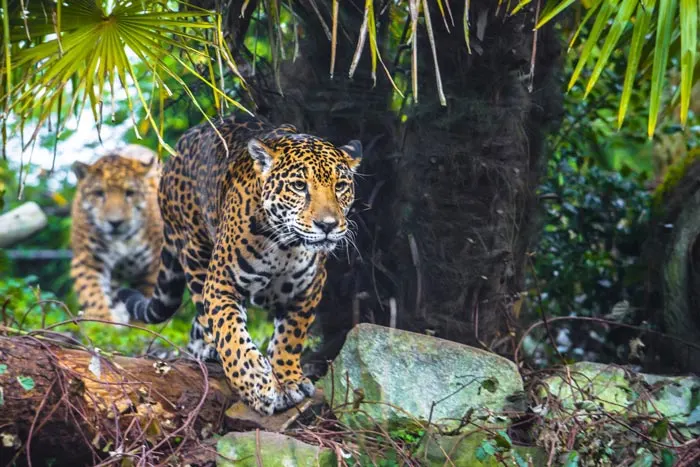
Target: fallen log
64, 406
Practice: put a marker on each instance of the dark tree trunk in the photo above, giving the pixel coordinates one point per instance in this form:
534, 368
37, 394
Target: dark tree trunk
465, 198
446, 207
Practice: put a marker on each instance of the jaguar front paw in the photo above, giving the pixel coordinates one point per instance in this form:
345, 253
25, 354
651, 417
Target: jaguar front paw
273, 397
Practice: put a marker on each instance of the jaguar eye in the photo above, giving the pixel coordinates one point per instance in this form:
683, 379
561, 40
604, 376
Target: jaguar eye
98, 193
129, 193
299, 185
341, 186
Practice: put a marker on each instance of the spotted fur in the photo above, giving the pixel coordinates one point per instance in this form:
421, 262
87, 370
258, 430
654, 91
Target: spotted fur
116, 234
251, 225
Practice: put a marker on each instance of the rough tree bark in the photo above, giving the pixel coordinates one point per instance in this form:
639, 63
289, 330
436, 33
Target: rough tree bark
672, 256
465, 198
69, 406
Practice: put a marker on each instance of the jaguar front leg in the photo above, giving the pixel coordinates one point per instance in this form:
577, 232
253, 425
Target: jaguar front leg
93, 285
247, 369
291, 329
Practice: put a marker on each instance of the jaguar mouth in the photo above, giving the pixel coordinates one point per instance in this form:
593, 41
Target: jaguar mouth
316, 241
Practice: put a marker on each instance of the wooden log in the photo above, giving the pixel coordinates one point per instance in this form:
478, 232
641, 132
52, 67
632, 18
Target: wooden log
72, 407
20, 223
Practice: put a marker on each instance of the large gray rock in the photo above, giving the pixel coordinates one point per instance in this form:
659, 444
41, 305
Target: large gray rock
251, 449
395, 377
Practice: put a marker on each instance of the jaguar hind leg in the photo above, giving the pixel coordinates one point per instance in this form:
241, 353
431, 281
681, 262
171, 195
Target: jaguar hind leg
198, 347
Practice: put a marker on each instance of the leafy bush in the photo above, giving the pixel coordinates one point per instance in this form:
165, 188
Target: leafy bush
588, 256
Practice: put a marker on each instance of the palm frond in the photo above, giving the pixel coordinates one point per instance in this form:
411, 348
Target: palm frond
658, 33
80, 49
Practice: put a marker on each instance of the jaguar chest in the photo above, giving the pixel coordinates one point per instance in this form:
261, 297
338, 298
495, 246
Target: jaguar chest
276, 277
128, 259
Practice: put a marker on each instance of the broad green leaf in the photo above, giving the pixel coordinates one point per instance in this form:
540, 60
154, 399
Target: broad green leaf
641, 27
503, 440
604, 13
572, 459
644, 458
485, 450
694, 417
660, 430
465, 25
584, 21
26, 382
520, 6
372, 32
689, 37
519, 459
621, 19
664, 29
668, 458
3, 368
85, 47
8, 55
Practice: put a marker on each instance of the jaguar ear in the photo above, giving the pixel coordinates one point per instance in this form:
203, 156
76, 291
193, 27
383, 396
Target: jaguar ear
288, 127
146, 166
261, 154
80, 169
354, 151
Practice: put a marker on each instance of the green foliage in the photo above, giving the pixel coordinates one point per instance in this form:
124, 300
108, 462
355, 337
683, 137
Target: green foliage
595, 224
29, 308
654, 33
407, 435
485, 450
60, 55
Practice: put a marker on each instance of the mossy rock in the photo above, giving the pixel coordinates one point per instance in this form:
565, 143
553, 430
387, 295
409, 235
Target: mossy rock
617, 391
400, 378
251, 449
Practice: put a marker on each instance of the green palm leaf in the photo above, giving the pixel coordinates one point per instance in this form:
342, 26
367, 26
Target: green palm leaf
658, 34
689, 45
85, 53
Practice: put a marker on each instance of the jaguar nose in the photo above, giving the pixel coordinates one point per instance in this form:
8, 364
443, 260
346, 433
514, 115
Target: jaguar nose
326, 224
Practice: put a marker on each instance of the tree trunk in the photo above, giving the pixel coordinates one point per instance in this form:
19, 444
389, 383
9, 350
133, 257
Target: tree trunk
465, 197
73, 407
672, 256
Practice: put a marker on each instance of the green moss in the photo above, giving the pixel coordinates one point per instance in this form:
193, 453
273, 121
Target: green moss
673, 176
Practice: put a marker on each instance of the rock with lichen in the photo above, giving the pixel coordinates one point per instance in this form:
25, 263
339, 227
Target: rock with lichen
395, 377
